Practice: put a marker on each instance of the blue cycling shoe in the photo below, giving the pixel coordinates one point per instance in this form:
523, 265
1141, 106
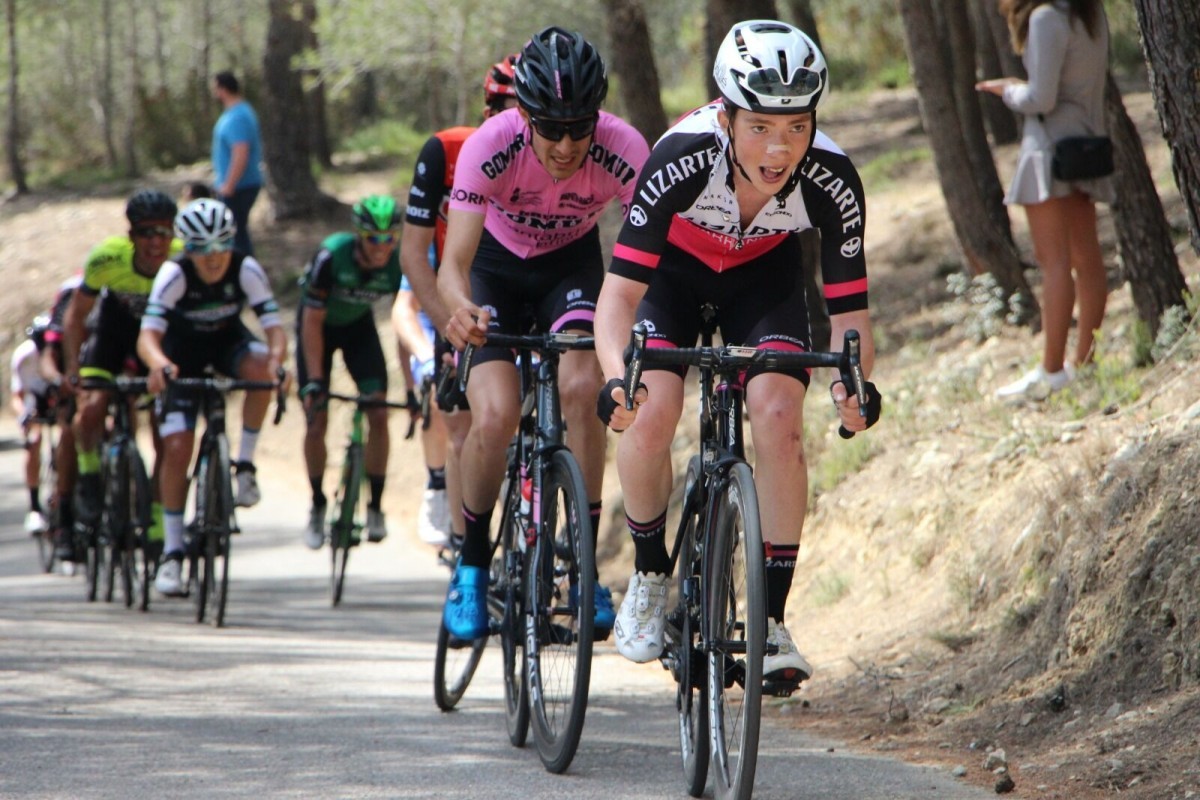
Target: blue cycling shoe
603, 614
465, 613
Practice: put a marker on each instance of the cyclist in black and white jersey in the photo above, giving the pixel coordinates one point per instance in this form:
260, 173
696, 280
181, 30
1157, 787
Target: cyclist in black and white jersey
714, 221
192, 321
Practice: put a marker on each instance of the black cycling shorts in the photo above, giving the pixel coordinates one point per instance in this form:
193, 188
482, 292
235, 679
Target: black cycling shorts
759, 304
556, 291
362, 352
111, 346
222, 350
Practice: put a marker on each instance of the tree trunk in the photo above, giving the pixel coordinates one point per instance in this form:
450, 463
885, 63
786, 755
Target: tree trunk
985, 245
719, 18
970, 115
285, 128
12, 136
802, 18
1148, 258
129, 145
632, 60
203, 105
1171, 41
1000, 121
106, 108
321, 146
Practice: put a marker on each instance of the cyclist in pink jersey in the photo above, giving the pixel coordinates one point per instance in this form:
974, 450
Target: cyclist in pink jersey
714, 223
521, 244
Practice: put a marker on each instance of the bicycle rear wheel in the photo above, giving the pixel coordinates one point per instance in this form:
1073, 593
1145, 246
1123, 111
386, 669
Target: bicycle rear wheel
220, 528
736, 632
344, 529
141, 514
201, 580
454, 666
506, 604
689, 658
559, 614
117, 522
48, 490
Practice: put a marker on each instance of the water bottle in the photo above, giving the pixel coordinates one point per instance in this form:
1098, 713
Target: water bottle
526, 496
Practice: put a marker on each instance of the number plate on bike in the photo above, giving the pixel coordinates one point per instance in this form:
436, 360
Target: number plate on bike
740, 352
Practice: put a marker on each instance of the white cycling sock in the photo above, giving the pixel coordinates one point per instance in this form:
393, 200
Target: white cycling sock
172, 531
247, 445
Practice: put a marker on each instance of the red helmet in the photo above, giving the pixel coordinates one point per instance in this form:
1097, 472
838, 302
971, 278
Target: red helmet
499, 84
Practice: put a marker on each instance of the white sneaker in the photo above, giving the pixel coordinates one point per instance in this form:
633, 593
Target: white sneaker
1037, 384
376, 525
787, 664
169, 580
433, 519
314, 534
641, 618
247, 485
35, 523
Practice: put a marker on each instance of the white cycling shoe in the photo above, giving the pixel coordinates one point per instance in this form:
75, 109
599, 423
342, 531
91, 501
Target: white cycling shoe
639, 628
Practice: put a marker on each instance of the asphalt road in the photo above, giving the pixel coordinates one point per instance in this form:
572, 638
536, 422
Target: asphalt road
295, 699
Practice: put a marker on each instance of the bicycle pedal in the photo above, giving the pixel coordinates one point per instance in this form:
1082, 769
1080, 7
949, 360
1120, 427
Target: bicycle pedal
783, 687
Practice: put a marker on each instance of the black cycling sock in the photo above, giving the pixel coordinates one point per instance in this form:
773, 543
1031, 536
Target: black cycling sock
437, 478
650, 545
318, 496
780, 562
376, 482
594, 516
35, 503
477, 549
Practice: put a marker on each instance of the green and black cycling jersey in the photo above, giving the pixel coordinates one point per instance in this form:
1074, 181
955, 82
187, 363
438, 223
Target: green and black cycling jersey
336, 282
110, 266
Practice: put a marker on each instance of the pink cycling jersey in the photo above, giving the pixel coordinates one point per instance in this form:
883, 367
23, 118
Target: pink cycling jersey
527, 210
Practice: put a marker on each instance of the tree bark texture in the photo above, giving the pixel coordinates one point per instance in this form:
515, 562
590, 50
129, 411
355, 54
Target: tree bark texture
321, 146
1171, 43
719, 18
285, 125
631, 59
1000, 121
1148, 258
985, 245
12, 135
804, 19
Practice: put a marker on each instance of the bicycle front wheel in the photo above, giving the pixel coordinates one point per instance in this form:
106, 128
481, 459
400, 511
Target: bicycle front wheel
559, 613
344, 528
506, 605
142, 517
688, 664
735, 598
48, 488
220, 527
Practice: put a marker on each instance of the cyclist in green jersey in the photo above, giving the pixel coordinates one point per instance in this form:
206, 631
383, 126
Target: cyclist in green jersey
340, 286
100, 329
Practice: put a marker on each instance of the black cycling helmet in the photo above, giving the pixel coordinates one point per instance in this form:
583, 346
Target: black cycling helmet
560, 75
36, 330
150, 205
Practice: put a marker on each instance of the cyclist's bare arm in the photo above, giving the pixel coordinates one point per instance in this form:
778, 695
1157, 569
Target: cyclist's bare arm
149, 348
312, 337
75, 329
468, 322
616, 311
277, 348
414, 261
843, 397
406, 323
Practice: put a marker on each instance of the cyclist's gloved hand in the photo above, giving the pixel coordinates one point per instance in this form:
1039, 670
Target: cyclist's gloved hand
607, 406
314, 395
450, 397
872, 409
423, 370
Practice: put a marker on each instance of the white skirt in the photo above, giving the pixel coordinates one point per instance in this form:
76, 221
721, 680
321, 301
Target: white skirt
1034, 183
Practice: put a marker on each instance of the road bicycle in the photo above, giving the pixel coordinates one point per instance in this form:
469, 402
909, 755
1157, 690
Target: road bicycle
119, 547
348, 517
716, 630
48, 488
542, 578
215, 521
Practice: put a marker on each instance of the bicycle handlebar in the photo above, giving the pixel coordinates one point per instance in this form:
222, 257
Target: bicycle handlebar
225, 385
363, 401
732, 358
555, 342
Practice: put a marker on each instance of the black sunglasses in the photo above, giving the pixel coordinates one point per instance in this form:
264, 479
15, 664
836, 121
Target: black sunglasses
556, 129
152, 231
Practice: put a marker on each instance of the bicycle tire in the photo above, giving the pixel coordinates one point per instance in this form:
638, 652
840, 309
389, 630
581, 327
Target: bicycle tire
200, 571
559, 626
219, 539
118, 516
142, 517
688, 656
506, 603
342, 527
454, 666
48, 489
736, 630
95, 558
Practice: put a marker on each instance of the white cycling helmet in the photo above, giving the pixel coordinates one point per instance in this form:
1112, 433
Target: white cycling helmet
770, 67
204, 223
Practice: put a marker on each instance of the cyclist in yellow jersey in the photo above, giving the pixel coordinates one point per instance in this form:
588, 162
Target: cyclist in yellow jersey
101, 324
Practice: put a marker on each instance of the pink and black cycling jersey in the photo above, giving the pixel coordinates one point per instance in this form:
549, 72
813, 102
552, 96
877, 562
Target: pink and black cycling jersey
685, 196
529, 212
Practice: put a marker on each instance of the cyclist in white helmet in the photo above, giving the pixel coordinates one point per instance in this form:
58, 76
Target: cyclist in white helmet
192, 321
731, 184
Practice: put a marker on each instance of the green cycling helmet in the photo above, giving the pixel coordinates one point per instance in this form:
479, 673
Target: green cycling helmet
376, 213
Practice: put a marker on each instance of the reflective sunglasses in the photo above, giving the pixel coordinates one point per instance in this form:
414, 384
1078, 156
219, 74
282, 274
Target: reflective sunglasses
769, 82
211, 247
379, 238
152, 231
555, 129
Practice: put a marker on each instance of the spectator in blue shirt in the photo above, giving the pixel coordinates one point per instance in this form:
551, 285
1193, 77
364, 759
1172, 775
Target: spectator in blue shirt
236, 156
